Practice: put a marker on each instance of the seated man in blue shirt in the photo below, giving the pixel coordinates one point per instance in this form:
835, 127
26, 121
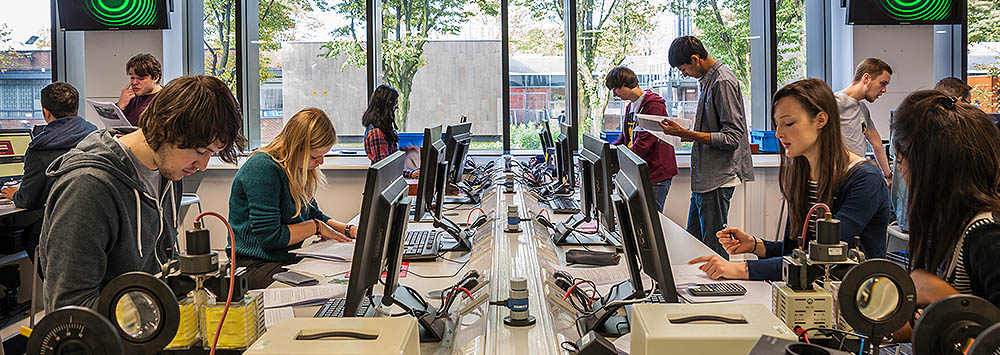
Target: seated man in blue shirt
63, 130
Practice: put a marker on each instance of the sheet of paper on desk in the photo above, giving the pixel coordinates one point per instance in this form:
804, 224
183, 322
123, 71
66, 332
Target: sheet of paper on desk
301, 296
327, 249
321, 267
273, 315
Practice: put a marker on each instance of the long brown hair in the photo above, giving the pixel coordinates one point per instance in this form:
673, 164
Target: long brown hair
814, 96
953, 158
309, 129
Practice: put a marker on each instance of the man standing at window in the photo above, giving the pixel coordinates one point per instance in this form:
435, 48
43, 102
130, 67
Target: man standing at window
720, 156
145, 75
871, 77
658, 154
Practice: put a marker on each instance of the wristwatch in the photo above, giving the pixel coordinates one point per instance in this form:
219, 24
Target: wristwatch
317, 226
347, 230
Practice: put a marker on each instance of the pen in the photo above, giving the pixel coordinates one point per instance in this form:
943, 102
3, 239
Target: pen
731, 236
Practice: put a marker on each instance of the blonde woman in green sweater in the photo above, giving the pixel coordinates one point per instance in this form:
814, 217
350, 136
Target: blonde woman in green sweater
272, 207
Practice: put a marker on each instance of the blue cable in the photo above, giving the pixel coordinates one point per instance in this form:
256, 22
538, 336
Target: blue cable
862, 350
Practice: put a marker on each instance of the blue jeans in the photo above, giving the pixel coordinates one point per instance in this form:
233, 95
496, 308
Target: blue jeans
660, 190
706, 215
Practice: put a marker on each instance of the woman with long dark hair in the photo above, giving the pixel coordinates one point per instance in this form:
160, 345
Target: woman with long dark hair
816, 167
949, 157
381, 138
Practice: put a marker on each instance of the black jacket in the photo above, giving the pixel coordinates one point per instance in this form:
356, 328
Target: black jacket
56, 139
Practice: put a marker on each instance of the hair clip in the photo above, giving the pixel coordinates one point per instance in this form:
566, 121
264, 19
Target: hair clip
950, 102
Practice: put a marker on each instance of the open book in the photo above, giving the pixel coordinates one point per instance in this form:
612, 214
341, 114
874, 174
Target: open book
111, 116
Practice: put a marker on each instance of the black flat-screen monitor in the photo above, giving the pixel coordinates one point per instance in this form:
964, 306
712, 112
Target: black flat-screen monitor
384, 186
564, 158
545, 136
431, 154
595, 170
636, 191
457, 138
104, 15
905, 12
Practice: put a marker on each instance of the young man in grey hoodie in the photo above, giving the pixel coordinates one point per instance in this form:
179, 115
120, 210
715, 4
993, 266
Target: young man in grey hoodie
113, 204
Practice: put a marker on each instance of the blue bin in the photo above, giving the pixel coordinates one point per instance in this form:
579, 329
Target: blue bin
407, 139
765, 140
610, 136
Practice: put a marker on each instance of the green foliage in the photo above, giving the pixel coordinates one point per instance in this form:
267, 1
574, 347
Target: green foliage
276, 23
406, 28
525, 135
607, 32
8, 56
984, 26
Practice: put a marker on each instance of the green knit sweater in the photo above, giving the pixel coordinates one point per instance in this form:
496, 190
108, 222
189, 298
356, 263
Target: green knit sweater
261, 208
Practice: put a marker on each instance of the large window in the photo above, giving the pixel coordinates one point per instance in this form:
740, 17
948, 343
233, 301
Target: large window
791, 28
984, 54
444, 59
537, 70
25, 63
220, 40
312, 56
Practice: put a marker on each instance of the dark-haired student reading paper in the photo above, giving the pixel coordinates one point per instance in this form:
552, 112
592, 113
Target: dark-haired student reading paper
113, 204
949, 157
816, 167
720, 156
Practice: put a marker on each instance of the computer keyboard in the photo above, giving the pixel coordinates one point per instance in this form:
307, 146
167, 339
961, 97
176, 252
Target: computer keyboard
421, 245
564, 204
334, 308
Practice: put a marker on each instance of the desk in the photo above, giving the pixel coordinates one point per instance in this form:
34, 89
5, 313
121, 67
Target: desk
498, 256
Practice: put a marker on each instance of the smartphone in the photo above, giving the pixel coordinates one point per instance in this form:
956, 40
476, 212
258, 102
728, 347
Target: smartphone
295, 279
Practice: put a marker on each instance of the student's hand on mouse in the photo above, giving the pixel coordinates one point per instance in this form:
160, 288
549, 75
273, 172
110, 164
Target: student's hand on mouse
127, 94
718, 268
8, 192
671, 128
327, 232
735, 241
415, 174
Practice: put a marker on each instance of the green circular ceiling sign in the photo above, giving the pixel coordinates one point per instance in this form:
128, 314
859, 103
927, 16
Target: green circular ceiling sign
118, 13
917, 10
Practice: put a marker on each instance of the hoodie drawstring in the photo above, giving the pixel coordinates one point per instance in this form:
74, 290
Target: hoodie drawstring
138, 221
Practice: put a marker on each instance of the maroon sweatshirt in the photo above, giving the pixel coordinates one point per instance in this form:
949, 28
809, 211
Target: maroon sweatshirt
657, 153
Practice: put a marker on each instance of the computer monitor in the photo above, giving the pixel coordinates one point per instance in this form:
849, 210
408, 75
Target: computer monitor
545, 136
636, 191
565, 176
457, 138
431, 154
383, 186
13, 144
595, 186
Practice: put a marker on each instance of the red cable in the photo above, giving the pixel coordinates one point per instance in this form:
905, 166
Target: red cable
469, 218
547, 216
570, 290
805, 226
232, 275
593, 293
459, 289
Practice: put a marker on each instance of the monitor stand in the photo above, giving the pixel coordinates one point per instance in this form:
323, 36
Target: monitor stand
463, 237
432, 329
607, 322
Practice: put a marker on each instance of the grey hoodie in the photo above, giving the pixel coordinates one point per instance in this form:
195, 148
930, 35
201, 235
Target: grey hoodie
100, 222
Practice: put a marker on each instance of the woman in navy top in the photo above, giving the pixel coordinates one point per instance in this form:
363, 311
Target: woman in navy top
816, 167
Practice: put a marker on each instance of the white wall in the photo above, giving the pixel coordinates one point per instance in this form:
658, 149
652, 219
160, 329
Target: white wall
106, 53
910, 52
